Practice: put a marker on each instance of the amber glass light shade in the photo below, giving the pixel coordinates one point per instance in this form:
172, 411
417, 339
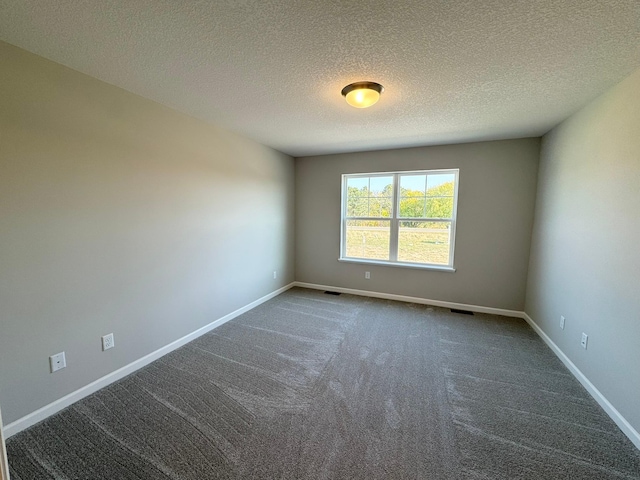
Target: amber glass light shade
362, 94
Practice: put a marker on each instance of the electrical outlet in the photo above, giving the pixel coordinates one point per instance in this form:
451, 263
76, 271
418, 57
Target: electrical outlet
562, 322
108, 342
275, 274
367, 275
584, 340
57, 362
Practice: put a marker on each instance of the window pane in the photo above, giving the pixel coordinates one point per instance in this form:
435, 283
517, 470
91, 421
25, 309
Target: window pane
357, 207
381, 186
424, 242
412, 207
412, 183
359, 183
440, 207
440, 185
380, 206
386, 205
370, 196
368, 239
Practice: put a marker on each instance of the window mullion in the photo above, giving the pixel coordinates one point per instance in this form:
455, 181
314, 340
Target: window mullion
393, 240
343, 238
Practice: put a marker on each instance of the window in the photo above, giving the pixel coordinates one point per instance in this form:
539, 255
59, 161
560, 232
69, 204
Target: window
400, 218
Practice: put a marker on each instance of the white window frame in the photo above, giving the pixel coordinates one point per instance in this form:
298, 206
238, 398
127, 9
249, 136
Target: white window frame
395, 219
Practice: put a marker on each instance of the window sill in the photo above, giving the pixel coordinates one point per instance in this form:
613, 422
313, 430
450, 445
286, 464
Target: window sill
439, 268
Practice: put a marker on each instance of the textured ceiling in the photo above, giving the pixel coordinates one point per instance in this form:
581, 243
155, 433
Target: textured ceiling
453, 70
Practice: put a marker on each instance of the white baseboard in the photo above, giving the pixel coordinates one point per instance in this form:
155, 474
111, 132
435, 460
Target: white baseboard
422, 301
615, 415
56, 406
4, 461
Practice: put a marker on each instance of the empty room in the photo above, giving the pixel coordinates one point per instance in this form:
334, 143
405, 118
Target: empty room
319, 239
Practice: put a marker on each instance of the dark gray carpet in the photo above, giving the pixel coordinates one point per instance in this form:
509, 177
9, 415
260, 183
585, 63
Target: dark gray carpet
313, 386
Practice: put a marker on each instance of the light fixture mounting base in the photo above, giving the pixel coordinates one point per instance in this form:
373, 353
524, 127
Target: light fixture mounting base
359, 85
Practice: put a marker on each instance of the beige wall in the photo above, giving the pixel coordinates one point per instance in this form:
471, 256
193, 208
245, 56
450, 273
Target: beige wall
495, 214
585, 255
120, 215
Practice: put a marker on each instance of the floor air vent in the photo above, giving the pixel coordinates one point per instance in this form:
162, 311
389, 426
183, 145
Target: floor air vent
332, 293
464, 312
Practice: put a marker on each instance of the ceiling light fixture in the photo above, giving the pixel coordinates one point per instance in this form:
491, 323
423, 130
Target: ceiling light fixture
362, 94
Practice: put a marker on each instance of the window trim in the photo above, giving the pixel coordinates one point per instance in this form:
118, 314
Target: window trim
395, 219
